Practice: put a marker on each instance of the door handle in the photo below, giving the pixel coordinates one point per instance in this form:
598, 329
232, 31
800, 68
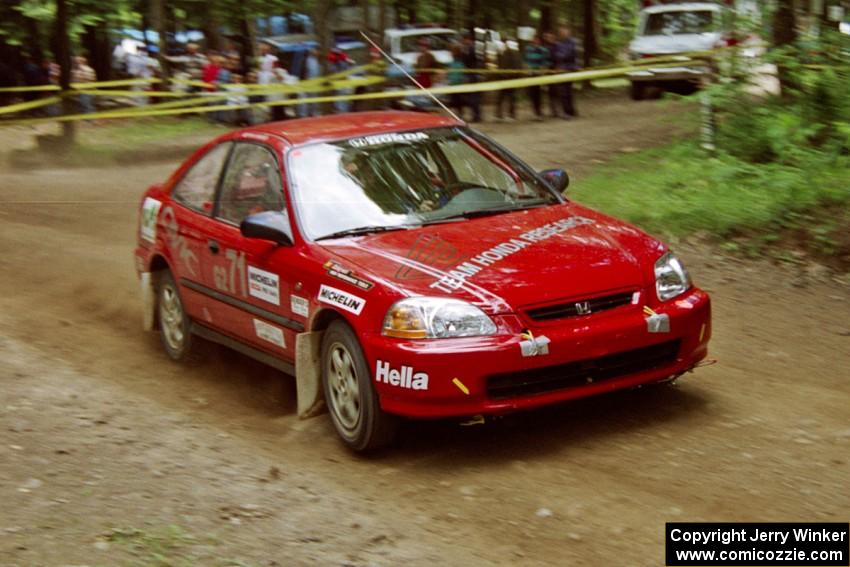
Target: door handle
213, 246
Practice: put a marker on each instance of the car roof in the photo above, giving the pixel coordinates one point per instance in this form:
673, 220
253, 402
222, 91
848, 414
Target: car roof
418, 31
683, 7
340, 126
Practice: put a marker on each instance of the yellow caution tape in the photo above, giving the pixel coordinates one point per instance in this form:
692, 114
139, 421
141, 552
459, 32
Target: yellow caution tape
39, 88
306, 87
22, 106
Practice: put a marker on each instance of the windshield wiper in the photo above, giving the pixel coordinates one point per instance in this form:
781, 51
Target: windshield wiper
493, 211
360, 230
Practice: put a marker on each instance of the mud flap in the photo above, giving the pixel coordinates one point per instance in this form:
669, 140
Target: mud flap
148, 300
308, 374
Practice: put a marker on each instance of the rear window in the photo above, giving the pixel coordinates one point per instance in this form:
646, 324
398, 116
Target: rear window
680, 22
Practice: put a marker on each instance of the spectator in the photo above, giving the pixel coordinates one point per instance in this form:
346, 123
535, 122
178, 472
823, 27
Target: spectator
552, 91
34, 76
81, 72
426, 64
266, 64
339, 61
564, 59
509, 59
472, 61
537, 58
237, 96
194, 62
312, 70
211, 71
456, 76
140, 66
282, 77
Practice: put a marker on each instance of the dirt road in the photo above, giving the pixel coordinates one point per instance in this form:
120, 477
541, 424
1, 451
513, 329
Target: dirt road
110, 454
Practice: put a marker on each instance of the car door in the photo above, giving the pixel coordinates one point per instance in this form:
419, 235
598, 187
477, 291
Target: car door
185, 221
250, 275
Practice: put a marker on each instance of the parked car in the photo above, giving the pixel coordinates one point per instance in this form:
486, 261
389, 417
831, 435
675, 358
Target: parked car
673, 29
403, 44
404, 265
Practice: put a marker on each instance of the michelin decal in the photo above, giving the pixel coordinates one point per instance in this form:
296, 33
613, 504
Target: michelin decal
264, 285
341, 299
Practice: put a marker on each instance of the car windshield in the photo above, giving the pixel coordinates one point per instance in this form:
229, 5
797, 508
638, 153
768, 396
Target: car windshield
679, 22
406, 179
436, 41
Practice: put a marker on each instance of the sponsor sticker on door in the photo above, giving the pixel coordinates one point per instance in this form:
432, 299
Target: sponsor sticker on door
263, 285
269, 333
299, 305
341, 299
150, 212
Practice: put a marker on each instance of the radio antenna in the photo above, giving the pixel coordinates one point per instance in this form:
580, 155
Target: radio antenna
412, 79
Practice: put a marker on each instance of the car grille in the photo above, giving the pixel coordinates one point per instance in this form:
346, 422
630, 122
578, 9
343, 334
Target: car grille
574, 374
572, 308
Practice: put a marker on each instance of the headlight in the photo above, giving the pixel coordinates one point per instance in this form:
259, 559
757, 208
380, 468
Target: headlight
671, 277
436, 318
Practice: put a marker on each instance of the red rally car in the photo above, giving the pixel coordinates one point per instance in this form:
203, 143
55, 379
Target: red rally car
403, 264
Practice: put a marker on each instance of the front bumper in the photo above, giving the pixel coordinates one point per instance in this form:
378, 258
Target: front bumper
587, 355
665, 74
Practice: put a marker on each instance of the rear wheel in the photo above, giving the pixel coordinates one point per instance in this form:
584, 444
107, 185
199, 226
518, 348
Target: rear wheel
174, 324
351, 398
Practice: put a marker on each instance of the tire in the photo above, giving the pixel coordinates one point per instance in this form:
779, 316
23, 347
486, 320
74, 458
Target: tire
638, 91
351, 398
175, 327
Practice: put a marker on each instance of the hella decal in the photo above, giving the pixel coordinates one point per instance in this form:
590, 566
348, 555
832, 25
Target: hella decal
341, 299
404, 378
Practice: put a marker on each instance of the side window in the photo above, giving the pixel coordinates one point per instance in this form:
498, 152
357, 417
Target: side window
251, 184
197, 188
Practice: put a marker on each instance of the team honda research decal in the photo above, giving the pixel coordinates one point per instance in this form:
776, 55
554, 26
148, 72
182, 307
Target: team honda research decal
346, 275
404, 378
263, 285
150, 212
456, 277
299, 305
387, 139
269, 333
341, 299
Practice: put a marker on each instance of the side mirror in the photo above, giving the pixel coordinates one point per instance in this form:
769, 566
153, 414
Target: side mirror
268, 225
557, 178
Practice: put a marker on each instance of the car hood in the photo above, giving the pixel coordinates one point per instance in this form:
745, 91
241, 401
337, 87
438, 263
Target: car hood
507, 261
669, 44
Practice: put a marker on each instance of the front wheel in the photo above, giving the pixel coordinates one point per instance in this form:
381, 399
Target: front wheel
352, 400
638, 91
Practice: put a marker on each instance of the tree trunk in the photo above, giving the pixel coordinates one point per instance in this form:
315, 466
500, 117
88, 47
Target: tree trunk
547, 19
382, 20
249, 35
784, 33
158, 20
589, 32
210, 28
63, 58
367, 20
